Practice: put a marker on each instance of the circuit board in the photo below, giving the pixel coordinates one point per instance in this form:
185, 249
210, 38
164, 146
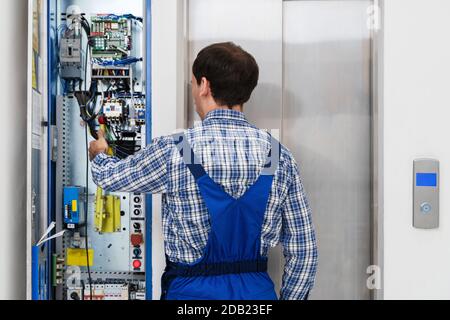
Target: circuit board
111, 36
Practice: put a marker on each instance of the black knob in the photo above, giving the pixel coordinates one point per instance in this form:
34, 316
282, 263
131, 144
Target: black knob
74, 296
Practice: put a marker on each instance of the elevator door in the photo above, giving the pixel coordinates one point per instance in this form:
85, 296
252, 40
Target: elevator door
326, 124
315, 62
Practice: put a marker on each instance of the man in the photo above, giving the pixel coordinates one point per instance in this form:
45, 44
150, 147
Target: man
229, 192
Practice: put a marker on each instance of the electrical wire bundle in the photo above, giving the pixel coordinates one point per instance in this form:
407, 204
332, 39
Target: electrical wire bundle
87, 101
122, 148
124, 16
126, 61
86, 208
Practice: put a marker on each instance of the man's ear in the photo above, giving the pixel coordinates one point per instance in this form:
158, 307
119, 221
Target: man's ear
205, 88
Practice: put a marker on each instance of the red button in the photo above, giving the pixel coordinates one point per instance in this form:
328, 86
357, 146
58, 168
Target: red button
137, 264
101, 120
137, 239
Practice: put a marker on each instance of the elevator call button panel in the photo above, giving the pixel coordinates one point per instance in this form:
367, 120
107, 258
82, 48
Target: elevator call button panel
426, 194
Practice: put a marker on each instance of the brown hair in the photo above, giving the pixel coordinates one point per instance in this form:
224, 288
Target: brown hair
232, 72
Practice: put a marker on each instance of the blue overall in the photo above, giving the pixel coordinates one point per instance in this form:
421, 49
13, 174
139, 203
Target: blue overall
231, 267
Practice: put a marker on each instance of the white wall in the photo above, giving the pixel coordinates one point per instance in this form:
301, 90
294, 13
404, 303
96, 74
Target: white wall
168, 92
13, 76
416, 123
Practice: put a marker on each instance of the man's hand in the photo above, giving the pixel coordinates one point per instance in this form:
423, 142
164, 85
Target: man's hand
98, 146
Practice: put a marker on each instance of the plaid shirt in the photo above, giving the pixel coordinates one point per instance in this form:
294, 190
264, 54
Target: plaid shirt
233, 153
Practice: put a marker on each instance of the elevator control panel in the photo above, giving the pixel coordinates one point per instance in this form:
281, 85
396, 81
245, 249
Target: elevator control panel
426, 194
100, 83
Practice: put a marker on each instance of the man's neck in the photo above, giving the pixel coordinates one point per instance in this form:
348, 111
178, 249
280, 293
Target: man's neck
217, 107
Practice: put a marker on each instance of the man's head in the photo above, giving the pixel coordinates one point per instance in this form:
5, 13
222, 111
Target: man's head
223, 76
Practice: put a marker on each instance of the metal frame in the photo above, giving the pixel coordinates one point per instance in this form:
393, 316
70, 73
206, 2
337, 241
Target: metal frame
29, 143
51, 118
45, 96
378, 149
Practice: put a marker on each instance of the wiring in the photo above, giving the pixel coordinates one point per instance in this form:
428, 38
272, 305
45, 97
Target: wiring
87, 101
87, 166
122, 62
86, 207
124, 16
85, 25
91, 126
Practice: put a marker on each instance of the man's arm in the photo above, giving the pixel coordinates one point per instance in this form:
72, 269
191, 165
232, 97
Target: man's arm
299, 242
146, 171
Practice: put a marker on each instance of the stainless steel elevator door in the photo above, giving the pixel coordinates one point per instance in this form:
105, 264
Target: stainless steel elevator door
327, 125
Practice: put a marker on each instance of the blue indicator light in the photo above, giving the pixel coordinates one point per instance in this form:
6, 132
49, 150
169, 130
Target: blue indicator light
426, 179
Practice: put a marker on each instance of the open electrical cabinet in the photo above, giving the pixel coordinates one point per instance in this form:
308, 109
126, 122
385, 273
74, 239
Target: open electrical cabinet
89, 68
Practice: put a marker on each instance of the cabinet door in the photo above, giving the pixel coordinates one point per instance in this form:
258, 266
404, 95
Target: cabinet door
37, 266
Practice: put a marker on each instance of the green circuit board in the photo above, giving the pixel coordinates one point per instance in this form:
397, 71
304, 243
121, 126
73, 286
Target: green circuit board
110, 37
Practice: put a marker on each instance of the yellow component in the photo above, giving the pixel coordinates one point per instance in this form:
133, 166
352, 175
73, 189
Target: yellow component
110, 151
74, 206
33, 72
107, 213
77, 257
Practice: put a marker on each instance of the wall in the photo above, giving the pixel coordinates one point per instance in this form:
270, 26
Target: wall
13, 32
416, 110
168, 92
